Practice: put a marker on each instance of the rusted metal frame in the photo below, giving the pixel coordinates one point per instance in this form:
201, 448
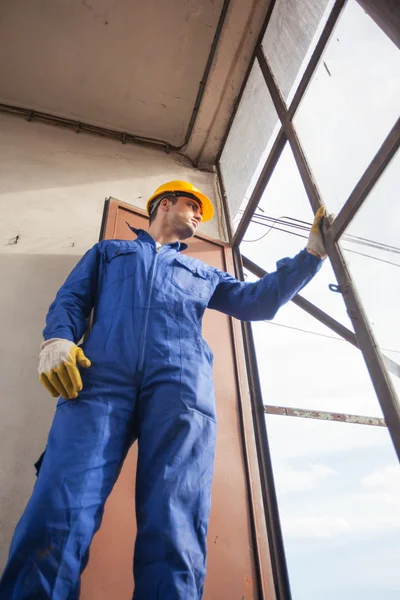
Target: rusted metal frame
246, 77
373, 358
322, 316
273, 89
288, 114
265, 174
272, 519
372, 355
275, 561
258, 191
308, 181
316, 56
308, 307
255, 493
382, 158
323, 415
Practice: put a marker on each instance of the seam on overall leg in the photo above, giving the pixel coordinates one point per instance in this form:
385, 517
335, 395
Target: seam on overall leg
181, 386
71, 531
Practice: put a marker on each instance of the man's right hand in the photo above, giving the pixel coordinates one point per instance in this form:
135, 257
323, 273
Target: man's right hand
315, 243
58, 367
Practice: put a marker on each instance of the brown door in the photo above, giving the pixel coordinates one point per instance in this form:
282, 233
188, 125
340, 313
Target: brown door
231, 573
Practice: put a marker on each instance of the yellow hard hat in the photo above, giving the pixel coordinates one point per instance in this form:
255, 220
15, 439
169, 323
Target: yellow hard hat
185, 188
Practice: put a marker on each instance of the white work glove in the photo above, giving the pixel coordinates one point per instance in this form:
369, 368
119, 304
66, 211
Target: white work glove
58, 367
315, 244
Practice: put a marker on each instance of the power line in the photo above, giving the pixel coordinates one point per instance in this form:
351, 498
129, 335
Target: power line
355, 239
306, 226
332, 337
388, 262
269, 231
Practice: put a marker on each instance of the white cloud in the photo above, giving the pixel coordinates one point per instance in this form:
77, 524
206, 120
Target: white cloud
339, 502
383, 487
322, 526
297, 480
311, 440
387, 479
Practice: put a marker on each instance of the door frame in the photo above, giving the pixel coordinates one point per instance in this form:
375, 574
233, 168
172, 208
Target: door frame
256, 501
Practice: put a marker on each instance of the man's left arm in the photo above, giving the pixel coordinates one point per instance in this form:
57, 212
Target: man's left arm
255, 301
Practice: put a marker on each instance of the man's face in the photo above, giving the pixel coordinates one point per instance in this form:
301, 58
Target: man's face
184, 216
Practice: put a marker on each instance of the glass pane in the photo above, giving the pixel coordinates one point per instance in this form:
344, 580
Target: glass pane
280, 228
371, 246
350, 105
338, 488
303, 364
253, 132
290, 39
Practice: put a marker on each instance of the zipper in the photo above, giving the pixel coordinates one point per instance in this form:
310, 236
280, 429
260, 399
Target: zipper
146, 317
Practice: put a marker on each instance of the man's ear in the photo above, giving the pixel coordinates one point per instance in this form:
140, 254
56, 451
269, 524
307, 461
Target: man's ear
165, 204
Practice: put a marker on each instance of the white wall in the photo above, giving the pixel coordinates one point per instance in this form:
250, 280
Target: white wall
52, 188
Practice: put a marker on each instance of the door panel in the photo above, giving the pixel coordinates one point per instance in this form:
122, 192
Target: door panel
231, 572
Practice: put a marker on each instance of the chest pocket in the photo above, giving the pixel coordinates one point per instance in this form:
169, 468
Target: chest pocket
191, 278
121, 261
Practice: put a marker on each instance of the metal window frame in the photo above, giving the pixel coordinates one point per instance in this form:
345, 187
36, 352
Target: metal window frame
323, 415
271, 510
375, 361
363, 338
373, 357
321, 316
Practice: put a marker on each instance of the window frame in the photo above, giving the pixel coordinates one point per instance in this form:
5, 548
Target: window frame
363, 338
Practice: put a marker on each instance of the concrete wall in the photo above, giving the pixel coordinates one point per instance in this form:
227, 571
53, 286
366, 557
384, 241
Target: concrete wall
52, 188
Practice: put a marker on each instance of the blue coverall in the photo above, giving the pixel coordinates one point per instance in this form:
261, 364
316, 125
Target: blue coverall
150, 380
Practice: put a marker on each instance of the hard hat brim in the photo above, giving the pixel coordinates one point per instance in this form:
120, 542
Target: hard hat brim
206, 204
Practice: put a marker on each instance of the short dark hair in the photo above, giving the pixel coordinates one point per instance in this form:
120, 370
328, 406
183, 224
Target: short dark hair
153, 215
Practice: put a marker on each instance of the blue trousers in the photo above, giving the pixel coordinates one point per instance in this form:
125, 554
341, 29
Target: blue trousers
87, 444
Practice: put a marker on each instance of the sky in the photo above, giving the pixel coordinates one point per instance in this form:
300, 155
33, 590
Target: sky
338, 485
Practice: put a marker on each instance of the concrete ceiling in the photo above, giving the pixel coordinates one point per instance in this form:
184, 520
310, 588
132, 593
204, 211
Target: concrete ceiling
131, 65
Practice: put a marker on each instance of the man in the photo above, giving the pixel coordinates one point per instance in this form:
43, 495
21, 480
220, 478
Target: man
147, 376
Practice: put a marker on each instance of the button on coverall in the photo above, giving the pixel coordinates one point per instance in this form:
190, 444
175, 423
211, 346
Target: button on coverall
150, 380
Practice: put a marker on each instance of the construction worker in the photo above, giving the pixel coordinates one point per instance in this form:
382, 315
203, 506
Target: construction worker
144, 373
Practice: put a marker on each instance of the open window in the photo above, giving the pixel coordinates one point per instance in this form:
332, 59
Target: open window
317, 123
